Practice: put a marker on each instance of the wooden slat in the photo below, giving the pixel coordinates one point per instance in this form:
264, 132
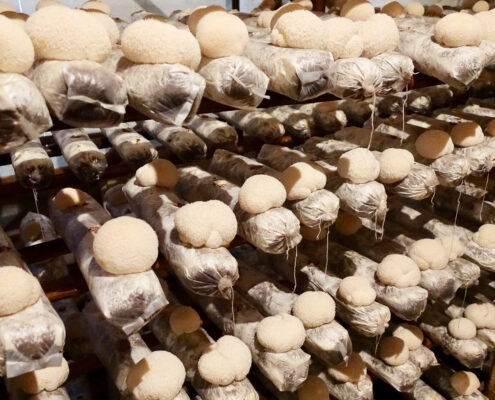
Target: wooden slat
44, 251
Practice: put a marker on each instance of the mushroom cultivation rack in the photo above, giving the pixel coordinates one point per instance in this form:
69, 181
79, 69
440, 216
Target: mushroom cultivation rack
273, 275
16, 201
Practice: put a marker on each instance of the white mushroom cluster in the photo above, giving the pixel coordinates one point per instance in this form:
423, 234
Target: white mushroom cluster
225, 361
429, 254
125, 245
206, 224
314, 309
281, 333
356, 291
301, 179
259, 193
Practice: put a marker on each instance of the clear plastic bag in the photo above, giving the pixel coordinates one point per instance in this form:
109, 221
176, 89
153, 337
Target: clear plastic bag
296, 73
32, 165
163, 92
83, 157
287, 371
397, 70
189, 348
273, 231
458, 67
234, 81
205, 271
81, 93
30, 339
126, 350
407, 303
127, 301
23, 111
355, 78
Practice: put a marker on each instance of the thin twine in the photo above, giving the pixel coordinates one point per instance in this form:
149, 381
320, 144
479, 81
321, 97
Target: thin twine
433, 197
464, 298
372, 119
382, 233
295, 272
458, 205
376, 223
483, 198
326, 253
38, 215
404, 101
377, 342
319, 230
232, 307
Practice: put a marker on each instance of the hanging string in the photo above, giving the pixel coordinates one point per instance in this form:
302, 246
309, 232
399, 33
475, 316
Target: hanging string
326, 253
295, 272
372, 119
464, 298
484, 194
38, 215
377, 342
382, 233
433, 197
376, 224
232, 307
458, 205
404, 101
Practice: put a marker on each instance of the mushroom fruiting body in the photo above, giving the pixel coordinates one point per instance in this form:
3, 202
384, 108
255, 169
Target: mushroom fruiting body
301, 179
462, 328
18, 290
465, 383
410, 334
221, 34
398, 270
467, 134
15, 46
485, 237
458, 29
299, 29
149, 41
483, 315
160, 375
260, 193
44, 379
206, 224
395, 165
357, 10
62, 33
352, 370
429, 254
314, 309
281, 333
433, 144
356, 291
380, 34
393, 351
358, 165
159, 172
125, 245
